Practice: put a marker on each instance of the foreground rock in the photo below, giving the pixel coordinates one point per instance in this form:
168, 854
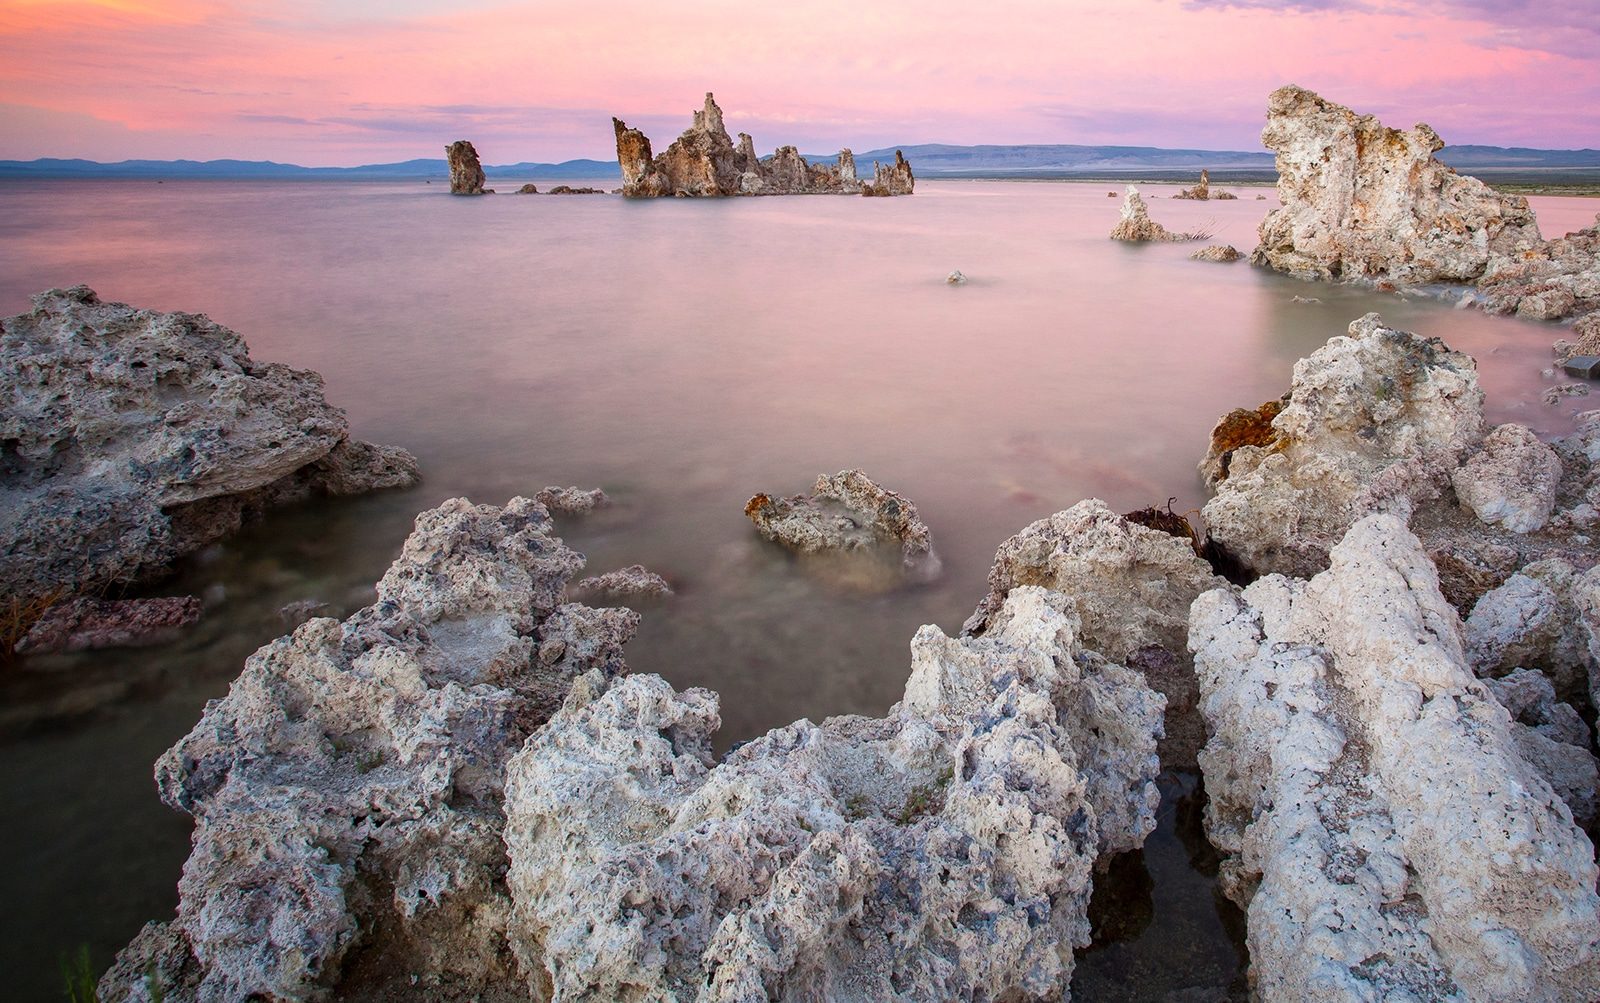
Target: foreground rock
1372, 422
846, 512
466, 174
1132, 587
1136, 226
1361, 201
705, 162
1378, 816
945, 851
347, 790
1554, 279
131, 437
87, 624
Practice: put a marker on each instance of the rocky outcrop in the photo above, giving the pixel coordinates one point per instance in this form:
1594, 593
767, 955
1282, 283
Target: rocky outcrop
1217, 252
705, 162
1200, 192
347, 791
1132, 587
893, 178
846, 512
466, 174
945, 851
1533, 619
1378, 816
528, 190
1511, 480
1554, 279
1373, 422
1362, 201
130, 437
1552, 737
634, 580
85, 624
1136, 226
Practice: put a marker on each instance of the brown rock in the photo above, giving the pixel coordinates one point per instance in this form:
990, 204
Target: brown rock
1239, 427
528, 190
86, 624
1199, 192
466, 174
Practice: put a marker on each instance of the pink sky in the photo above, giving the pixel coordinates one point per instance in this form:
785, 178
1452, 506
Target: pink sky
367, 81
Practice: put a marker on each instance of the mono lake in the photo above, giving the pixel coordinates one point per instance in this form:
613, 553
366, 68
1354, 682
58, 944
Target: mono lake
683, 355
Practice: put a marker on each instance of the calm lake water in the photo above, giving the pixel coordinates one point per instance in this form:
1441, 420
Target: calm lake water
683, 355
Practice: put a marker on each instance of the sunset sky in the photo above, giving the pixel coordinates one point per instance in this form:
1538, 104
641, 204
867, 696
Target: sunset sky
364, 81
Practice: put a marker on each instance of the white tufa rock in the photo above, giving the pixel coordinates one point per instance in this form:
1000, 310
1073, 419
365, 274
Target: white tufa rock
942, 852
1379, 819
1511, 480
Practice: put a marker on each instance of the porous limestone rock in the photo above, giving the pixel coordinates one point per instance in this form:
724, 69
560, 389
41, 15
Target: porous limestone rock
1200, 192
1586, 600
846, 511
705, 162
1132, 587
1239, 427
1217, 252
347, 791
1361, 201
1135, 224
1374, 421
1511, 480
131, 437
1586, 332
1554, 279
466, 174
1532, 620
83, 624
572, 500
1552, 738
1377, 815
945, 851
634, 580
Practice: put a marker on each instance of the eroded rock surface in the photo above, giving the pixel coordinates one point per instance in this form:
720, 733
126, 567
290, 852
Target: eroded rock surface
844, 512
1135, 224
945, 851
1374, 421
1217, 252
84, 624
1378, 815
1554, 279
893, 178
466, 174
1132, 587
131, 437
705, 162
1200, 192
1511, 480
1362, 201
347, 790
572, 500
634, 580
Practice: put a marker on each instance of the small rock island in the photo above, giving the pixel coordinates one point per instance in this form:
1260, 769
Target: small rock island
704, 162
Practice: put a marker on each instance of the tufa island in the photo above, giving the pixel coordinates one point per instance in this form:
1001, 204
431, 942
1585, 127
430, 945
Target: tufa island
1381, 647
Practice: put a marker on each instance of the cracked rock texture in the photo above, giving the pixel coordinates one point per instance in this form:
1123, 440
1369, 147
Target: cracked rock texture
347, 791
466, 174
1362, 201
1379, 818
1374, 422
131, 437
1555, 279
945, 851
846, 511
705, 162
1132, 587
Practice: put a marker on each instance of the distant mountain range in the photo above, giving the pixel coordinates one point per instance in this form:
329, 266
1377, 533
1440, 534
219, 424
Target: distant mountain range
928, 159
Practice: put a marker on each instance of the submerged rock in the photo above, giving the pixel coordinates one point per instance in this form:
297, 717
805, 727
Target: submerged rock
945, 851
1217, 252
572, 500
955, 278
1379, 818
846, 512
347, 790
1132, 587
86, 624
634, 580
1361, 201
1586, 332
466, 174
528, 190
704, 162
131, 437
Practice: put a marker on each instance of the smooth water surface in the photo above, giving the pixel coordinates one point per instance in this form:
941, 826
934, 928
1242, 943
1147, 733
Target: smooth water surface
684, 355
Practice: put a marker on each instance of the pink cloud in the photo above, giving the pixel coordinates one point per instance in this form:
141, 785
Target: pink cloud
213, 78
